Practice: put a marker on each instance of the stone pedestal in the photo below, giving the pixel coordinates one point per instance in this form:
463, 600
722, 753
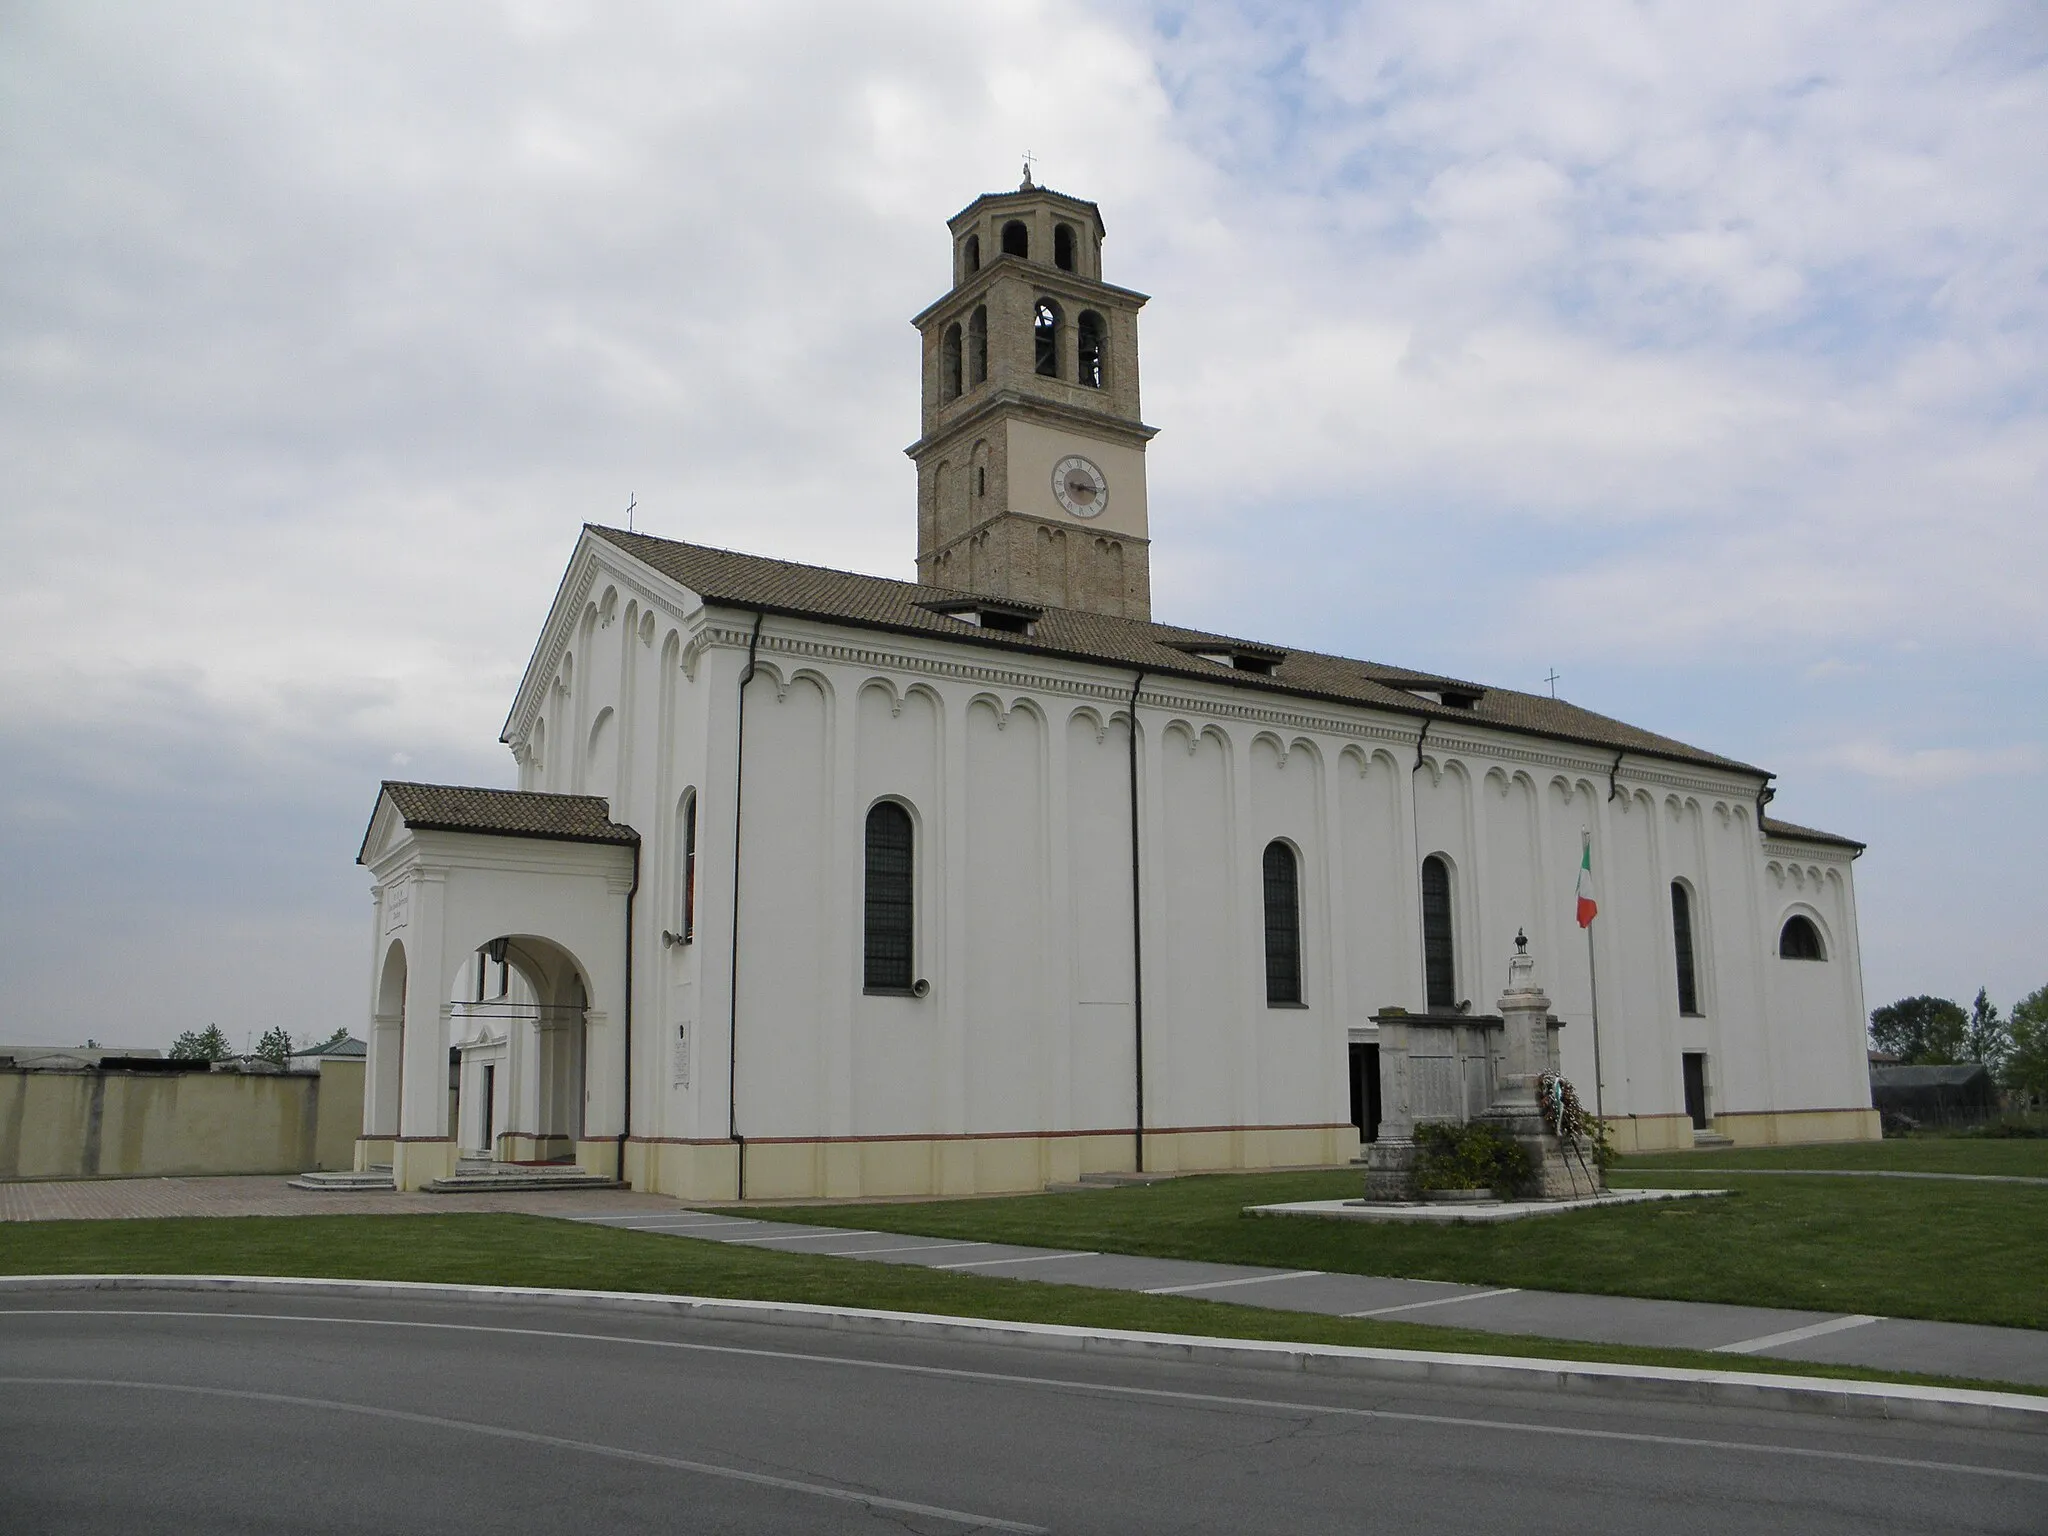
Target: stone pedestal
1526, 1055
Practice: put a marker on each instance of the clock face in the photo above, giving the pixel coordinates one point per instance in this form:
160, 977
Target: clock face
1080, 486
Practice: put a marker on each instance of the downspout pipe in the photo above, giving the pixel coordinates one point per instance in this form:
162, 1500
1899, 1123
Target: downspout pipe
732, 1043
626, 1088
1137, 936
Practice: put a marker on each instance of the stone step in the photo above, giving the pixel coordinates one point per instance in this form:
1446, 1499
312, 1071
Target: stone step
373, 1179
469, 1181
1107, 1181
1711, 1139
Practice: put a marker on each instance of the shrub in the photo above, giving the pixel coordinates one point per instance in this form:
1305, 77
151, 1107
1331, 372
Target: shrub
1476, 1156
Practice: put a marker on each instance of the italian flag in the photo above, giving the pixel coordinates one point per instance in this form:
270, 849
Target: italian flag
1589, 904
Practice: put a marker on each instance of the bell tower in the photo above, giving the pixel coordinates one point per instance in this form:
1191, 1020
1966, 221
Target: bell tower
1031, 466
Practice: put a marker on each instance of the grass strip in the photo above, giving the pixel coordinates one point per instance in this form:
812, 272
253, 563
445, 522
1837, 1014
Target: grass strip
1965, 1253
496, 1249
1908, 1154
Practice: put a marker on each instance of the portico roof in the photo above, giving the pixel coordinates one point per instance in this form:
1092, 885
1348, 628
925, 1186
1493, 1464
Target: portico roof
504, 813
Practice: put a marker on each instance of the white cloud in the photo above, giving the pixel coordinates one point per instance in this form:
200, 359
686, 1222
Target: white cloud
1929, 767
1719, 330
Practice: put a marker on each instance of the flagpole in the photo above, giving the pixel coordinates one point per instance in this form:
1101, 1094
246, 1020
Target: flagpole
1593, 979
1589, 913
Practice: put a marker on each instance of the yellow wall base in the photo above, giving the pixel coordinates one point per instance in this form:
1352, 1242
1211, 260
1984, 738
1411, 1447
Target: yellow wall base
1650, 1133
416, 1164
1790, 1127
833, 1170
372, 1152
525, 1147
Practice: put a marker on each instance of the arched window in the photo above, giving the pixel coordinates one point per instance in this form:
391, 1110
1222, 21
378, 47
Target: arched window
1283, 927
977, 346
891, 906
1063, 247
1093, 336
1800, 940
949, 364
1045, 329
1016, 239
970, 254
686, 837
1681, 942
1439, 959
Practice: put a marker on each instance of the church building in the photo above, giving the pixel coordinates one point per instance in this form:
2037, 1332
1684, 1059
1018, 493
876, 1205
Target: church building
821, 884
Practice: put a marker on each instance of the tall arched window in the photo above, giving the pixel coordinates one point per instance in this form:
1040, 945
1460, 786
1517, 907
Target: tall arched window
949, 364
1063, 247
1016, 239
686, 837
1800, 940
1093, 337
1283, 926
1681, 941
1045, 330
1439, 958
891, 905
977, 346
970, 254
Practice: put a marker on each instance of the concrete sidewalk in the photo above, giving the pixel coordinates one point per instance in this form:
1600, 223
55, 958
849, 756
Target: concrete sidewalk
1895, 1344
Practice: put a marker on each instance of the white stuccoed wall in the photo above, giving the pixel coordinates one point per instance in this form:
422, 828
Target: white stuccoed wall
1014, 769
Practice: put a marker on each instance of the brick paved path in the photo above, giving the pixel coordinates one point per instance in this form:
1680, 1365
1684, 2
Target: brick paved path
272, 1195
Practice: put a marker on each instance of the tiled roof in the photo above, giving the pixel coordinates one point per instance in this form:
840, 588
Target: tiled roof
507, 813
873, 602
1791, 829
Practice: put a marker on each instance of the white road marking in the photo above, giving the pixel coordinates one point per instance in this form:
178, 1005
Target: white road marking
1029, 1258
1107, 1389
668, 1226
902, 1248
1796, 1335
808, 1237
1221, 1285
1438, 1301
556, 1442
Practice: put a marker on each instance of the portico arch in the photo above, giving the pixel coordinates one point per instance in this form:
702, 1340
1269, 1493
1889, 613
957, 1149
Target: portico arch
545, 882
521, 1055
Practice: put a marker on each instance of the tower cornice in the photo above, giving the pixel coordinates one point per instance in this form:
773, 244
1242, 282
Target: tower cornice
999, 403
1051, 279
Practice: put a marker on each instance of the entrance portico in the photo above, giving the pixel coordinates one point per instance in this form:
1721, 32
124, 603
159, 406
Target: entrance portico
535, 890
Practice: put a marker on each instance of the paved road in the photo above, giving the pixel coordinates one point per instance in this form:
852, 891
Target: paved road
221, 1414
1899, 1344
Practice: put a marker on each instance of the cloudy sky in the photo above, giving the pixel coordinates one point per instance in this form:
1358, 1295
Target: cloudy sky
1697, 352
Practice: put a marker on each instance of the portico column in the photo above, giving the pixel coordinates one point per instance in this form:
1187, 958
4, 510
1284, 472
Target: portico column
425, 1149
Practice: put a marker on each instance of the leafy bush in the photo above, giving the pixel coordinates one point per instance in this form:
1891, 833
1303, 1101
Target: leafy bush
1476, 1156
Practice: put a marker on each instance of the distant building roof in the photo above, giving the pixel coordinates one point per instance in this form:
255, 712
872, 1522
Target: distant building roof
346, 1049
1963, 1075
505, 813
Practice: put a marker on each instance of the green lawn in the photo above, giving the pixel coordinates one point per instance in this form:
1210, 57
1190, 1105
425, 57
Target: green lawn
1895, 1247
2025, 1156
480, 1249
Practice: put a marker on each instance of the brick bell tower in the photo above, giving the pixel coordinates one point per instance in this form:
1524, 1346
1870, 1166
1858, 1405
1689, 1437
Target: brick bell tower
1031, 466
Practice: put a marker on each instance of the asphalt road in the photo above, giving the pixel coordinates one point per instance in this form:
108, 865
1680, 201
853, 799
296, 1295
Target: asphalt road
139, 1413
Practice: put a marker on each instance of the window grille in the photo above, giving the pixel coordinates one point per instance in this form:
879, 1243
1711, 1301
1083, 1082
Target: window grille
891, 907
1681, 937
1283, 926
1439, 959
1800, 940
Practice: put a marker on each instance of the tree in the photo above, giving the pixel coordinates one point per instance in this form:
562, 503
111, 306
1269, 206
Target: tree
207, 1044
1921, 1031
275, 1046
2026, 1063
1987, 1039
